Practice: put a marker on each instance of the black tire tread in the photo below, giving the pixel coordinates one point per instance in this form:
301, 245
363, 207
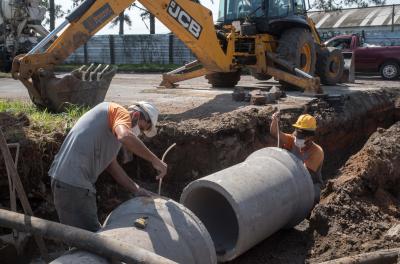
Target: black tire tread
390, 62
223, 79
323, 58
287, 49
260, 76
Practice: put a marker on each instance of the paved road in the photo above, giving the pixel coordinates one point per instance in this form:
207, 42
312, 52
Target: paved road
193, 98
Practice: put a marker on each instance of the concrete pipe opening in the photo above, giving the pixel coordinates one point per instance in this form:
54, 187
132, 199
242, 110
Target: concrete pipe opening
219, 219
242, 205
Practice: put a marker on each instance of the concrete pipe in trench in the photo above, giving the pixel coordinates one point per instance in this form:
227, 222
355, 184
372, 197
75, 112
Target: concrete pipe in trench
172, 231
244, 204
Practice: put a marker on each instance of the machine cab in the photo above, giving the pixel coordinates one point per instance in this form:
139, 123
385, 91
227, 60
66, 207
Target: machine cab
269, 16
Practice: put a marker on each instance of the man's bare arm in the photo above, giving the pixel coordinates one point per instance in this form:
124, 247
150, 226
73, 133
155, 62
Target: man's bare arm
273, 130
136, 146
120, 176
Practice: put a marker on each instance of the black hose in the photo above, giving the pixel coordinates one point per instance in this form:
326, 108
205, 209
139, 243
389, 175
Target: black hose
82, 239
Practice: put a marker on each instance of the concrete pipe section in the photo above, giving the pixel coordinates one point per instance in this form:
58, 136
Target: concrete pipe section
171, 231
244, 204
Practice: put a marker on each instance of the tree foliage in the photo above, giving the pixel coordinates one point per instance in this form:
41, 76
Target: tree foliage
340, 4
58, 11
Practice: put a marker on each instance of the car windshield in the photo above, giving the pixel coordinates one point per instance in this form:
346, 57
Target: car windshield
238, 9
341, 43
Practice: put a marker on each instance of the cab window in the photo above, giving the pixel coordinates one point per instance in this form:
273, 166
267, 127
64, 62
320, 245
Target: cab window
278, 8
343, 43
299, 7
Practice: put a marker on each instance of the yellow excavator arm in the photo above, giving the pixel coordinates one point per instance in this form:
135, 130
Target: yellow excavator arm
187, 19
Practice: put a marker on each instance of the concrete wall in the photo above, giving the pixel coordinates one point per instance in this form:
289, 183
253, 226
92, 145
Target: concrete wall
133, 49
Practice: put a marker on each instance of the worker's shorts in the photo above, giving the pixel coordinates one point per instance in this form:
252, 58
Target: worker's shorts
75, 206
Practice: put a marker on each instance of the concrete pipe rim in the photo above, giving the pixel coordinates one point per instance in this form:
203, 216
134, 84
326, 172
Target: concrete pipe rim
191, 189
160, 201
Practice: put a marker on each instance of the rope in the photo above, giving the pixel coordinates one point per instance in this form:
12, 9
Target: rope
163, 157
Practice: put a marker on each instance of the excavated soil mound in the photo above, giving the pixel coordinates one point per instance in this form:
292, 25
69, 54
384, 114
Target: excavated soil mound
204, 146
359, 211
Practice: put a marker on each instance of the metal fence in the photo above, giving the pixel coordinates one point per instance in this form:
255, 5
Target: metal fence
133, 49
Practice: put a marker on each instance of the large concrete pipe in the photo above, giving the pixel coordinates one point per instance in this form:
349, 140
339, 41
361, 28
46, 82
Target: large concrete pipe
244, 204
172, 231
77, 237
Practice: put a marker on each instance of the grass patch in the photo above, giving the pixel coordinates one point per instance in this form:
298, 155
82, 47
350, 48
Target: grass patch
128, 68
41, 120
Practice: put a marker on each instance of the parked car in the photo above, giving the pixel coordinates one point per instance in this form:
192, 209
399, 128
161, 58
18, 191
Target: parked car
369, 58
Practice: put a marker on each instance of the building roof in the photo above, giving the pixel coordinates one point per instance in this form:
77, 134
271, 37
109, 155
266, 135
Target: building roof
356, 17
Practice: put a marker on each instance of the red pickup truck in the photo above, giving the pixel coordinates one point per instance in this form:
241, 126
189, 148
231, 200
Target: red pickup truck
370, 58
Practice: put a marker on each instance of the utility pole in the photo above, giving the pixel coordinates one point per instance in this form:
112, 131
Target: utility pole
152, 24
52, 15
392, 18
121, 19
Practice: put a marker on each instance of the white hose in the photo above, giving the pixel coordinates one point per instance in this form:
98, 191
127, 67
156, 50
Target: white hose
277, 123
163, 157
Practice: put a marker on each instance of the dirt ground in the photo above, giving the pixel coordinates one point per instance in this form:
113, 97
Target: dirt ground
212, 132
194, 98
355, 214
359, 207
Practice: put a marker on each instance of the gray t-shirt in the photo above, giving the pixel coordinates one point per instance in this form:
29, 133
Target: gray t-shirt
87, 150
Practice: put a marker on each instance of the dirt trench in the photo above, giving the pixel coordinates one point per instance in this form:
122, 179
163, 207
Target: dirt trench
211, 144
359, 211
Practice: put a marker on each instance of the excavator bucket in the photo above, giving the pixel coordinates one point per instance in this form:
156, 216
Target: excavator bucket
86, 86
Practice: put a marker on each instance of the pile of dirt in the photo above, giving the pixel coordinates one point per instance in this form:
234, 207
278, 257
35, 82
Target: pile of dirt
204, 146
358, 209
207, 145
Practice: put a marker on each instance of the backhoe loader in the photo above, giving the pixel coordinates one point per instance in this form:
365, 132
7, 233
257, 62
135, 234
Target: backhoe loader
271, 38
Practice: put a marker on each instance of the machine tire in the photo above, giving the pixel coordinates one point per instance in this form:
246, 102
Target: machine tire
390, 70
223, 79
296, 45
330, 65
260, 76
5, 61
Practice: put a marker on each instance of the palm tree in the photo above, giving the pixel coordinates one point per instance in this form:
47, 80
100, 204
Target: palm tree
121, 20
147, 15
52, 15
55, 11
337, 5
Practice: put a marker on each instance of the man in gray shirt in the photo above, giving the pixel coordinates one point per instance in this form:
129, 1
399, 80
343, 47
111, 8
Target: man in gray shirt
90, 148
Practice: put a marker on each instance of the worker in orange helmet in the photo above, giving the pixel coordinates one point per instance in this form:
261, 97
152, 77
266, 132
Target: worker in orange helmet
301, 144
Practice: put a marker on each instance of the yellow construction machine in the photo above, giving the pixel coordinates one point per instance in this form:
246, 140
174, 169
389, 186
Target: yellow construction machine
271, 38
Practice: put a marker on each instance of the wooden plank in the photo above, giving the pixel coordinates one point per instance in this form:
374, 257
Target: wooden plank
10, 166
385, 256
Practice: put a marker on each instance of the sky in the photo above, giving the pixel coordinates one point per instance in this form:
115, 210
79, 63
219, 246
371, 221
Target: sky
138, 26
